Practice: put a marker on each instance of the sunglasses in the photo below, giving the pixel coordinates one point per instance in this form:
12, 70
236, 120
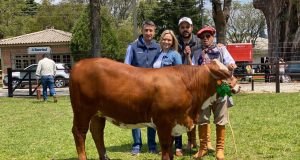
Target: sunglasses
205, 36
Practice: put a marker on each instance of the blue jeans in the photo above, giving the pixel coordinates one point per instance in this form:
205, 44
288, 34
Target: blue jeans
178, 142
137, 138
48, 82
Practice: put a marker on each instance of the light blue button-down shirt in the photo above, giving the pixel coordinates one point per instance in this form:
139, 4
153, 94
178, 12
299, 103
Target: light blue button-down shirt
128, 57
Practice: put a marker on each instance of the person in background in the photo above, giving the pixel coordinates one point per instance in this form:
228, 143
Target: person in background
46, 71
189, 49
211, 51
249, 71
141, 53
282, 67
169, 57
267, 70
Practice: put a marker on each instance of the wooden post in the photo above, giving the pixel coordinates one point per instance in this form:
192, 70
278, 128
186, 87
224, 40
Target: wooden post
29, 83
277, 80
252, 84
9, 79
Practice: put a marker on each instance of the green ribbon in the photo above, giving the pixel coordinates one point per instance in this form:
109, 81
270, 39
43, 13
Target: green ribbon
223, 90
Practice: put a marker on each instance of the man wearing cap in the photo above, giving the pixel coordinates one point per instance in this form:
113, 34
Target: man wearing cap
142, 53
190, 48
219, 108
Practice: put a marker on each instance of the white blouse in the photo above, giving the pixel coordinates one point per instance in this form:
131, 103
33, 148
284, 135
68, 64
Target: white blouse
157, 63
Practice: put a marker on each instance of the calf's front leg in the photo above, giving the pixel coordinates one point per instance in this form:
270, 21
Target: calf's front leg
166, 141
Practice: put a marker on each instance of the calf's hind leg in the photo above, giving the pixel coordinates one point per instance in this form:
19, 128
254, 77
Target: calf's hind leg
79, 130
97, 126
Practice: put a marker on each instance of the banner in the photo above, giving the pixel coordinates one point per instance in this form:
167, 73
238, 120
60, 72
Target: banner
39, 50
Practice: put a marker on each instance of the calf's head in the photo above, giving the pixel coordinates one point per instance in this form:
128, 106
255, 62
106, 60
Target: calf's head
218, 70
235, 87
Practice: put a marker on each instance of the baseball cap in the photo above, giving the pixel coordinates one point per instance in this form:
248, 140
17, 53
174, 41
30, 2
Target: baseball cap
185, 19
209, 29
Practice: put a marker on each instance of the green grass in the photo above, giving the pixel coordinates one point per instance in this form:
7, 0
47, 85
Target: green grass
266, 126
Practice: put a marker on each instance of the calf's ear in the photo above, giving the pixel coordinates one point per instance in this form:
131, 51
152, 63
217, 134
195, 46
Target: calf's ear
219, 70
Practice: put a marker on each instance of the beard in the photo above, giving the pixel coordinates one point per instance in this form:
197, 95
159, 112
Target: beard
186, 34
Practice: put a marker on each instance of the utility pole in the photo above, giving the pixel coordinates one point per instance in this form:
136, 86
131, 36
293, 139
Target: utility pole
202, 13
134, 18
95, 27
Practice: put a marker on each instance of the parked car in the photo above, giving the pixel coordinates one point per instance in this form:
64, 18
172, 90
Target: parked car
61, 78
293, 67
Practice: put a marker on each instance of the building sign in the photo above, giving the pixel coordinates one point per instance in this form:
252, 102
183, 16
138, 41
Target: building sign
38, 50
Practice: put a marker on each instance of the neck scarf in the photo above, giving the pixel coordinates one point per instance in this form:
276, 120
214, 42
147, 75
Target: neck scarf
208, 53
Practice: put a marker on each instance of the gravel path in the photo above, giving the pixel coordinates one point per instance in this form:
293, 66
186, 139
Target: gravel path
262, 87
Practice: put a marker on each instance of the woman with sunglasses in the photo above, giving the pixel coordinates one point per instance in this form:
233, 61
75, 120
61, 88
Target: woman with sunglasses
211, 51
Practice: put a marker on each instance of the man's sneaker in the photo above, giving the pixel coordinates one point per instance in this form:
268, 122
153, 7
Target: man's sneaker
153, 151
135, 151
178, 153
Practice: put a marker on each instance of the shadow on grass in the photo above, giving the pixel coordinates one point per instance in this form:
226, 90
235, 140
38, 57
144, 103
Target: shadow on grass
89, 159
39, 102
43, 102
121, 148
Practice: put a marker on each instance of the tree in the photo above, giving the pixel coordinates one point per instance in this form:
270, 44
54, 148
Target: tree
11, 20
283, 23
65, 14
61, 16
145, 10
166, 14
81, 41
221, 13
120, 9
45, 15
30, 8
245, 23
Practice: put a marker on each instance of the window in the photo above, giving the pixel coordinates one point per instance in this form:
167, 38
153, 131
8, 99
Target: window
67, 59
18, 64
63, 58
25, 62
56, 58
22, 61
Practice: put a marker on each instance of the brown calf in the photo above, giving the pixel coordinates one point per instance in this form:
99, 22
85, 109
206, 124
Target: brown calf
168, 99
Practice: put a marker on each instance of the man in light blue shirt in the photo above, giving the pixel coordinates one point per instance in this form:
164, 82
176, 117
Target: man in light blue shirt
141, 53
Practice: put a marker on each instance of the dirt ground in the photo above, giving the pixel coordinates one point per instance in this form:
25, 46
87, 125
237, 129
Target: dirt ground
262, 87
